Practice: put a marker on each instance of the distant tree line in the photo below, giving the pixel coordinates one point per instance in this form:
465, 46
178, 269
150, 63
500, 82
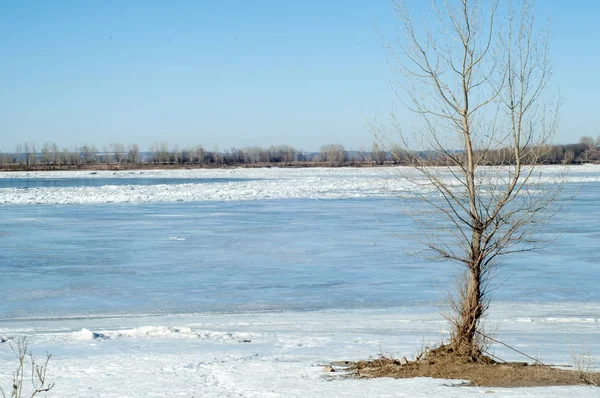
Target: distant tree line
29, 156
586, 151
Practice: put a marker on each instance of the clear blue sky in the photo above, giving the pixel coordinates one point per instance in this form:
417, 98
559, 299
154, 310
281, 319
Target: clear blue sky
231, 73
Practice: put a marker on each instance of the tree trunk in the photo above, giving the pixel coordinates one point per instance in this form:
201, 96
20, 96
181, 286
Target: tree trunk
465, 343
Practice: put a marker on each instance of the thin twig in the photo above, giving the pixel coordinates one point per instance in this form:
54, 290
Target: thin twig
495, 357
512, 348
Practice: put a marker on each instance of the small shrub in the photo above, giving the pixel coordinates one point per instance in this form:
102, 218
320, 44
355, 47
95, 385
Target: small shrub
37, 374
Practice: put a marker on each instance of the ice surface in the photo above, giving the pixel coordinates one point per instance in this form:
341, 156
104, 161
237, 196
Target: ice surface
191, 289
110, 259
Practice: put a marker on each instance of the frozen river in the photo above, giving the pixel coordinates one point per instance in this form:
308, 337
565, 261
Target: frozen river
174, 270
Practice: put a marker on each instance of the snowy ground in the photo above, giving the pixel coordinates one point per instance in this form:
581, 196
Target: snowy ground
282, 354
266, 291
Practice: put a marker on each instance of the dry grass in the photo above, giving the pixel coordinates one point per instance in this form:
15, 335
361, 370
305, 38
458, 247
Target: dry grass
443, 364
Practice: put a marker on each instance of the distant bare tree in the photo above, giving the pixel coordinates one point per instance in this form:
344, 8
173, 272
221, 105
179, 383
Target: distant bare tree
335, 154
176, 155
398, 154
163, 152
281, 154
46, 153
89, 154
569, 157
478, 85
217, 156
248, 155
253, 154
19, 154
377, 156
160, 152
154, 153
118, 151
27, 154
189, 153
232, 156
56, 161
200, 154
71, 156
66, 156
133, 154
288, 154
587, 141
29, 149
106, 155
590, 152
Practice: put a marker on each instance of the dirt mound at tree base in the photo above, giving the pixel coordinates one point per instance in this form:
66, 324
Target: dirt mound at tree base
441, 363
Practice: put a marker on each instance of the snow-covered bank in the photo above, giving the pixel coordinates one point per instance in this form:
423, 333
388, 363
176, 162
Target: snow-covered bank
282, 354
313, 183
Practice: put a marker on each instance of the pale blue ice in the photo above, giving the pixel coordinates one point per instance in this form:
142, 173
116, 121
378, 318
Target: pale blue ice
267, 255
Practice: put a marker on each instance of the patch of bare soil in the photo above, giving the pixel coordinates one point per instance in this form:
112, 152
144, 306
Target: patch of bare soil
442, 364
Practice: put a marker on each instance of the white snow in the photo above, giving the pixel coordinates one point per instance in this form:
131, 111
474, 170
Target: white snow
274, 183
282, 354
158, 332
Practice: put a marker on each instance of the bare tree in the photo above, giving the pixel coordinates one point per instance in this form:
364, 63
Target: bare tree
335, 154
281, 154
163, 152
89, 154
106, 156
590, 152
189, 155
133, 154
66, 156
250, 154
477, 85
19, 154
160, 152
37, 373
200, 154
72, 156
29, 149
377, 156
176, 155
56, 161
357, 157
118, 151
46, 153
588, 142
154, 153
398, 154
217, 156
